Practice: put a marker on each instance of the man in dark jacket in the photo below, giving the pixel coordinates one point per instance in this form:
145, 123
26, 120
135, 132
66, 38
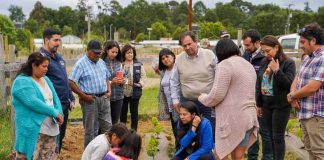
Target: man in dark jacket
57, 74
251, 42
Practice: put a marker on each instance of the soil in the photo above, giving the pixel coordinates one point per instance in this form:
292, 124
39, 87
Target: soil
73, 142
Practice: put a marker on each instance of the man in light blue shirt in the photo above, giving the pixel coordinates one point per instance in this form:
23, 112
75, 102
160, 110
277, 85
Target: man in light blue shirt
89, 79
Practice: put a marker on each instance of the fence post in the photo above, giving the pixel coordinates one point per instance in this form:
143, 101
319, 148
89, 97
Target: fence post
2, 75
12, 60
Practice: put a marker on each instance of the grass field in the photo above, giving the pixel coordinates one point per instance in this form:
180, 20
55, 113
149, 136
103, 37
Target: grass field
5, 133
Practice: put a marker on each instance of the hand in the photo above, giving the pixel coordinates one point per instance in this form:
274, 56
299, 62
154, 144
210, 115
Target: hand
259, 112
108, 94
87, 98
114, 80
176, 107
60, 119
196, 121
120, 80
72, 105
274, 65
295, 104
289, 97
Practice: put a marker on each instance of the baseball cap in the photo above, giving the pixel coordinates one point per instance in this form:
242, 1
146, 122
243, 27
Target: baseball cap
94, 46
224, 34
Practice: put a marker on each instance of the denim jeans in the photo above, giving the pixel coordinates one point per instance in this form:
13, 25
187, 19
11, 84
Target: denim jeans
276, 120
133, 107
253, 151
95, 113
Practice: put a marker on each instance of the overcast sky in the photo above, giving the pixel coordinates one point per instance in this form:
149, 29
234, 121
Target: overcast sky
28, 5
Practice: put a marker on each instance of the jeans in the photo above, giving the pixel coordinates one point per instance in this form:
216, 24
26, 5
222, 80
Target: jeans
133, 110
253, 151
276, 120
65, 108
95, 113
116, 107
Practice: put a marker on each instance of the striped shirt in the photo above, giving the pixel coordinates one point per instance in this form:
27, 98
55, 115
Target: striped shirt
312, 68
91, 77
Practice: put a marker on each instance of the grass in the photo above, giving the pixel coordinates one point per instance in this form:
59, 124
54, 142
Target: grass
5, 133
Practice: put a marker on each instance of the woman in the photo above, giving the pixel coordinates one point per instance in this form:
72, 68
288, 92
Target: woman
166, 63
112, 57
194, 134
135, 79
277, 72
233, 95
128, 149
38, 111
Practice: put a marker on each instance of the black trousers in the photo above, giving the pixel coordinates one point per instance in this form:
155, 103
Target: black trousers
276, 120
133, 106
65, 108
116, 107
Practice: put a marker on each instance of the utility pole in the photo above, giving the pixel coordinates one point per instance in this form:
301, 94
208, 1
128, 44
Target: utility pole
110, 31
190, 15
149, 30
105, 33
288, 20
88, 19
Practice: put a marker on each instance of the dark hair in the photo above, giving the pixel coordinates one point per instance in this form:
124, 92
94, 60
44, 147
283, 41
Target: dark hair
253, 34
119, 129
125, 49
226, 48
48, 33
190, 34
313, 31
164, 51
272, 41
192, 108
130, 145
109, 45
35, 58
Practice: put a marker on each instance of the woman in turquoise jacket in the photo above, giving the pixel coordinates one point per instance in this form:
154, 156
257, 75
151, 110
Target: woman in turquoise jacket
38, 110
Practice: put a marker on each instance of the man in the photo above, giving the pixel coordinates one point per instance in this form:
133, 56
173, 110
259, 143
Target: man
193, 75
92, 76
57, 74
251, 42
307, 90
204, 43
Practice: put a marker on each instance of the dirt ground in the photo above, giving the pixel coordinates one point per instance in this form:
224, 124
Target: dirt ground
73, 142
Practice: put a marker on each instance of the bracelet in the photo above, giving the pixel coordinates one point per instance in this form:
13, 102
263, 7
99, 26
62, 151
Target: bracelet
194, 126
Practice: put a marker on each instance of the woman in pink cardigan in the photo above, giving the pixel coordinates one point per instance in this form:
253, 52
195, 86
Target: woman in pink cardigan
233, 96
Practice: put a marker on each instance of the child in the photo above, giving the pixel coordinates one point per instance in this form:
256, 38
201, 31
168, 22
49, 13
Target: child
99, 146
128, 149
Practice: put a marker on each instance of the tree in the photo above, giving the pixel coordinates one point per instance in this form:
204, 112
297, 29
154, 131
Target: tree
38, 13
141, 37
67, 30
228, 14
210, 29
178, 31
7, 28
300, 18
307, 8
320, 16
158, 30
199, 9
269, 23
23, 39
16, 13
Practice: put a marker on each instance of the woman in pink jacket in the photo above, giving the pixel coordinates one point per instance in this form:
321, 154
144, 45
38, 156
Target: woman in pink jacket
233, 96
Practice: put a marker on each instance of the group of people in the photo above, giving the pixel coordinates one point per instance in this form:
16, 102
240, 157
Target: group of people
217, 101
107, 82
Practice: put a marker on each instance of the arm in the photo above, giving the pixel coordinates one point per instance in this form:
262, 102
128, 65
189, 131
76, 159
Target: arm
143, 77
77, 90
175, 85
26, 93
207, 143
221, 84
285, 79
307, 90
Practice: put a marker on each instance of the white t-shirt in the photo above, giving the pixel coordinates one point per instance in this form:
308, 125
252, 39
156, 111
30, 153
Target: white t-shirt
97, 148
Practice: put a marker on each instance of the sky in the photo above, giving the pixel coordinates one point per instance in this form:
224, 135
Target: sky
28, 5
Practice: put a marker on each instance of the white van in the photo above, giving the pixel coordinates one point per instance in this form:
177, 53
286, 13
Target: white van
290, 44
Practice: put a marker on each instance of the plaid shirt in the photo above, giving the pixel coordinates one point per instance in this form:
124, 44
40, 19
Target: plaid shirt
312, 69
91, 77
116, 90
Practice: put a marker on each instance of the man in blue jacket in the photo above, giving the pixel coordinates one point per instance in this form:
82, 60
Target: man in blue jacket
251, 42
57, 74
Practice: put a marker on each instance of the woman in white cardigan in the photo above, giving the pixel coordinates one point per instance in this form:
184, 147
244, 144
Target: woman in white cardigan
233, 96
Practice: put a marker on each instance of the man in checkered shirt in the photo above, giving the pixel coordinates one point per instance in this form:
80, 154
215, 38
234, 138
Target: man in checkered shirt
307, 90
